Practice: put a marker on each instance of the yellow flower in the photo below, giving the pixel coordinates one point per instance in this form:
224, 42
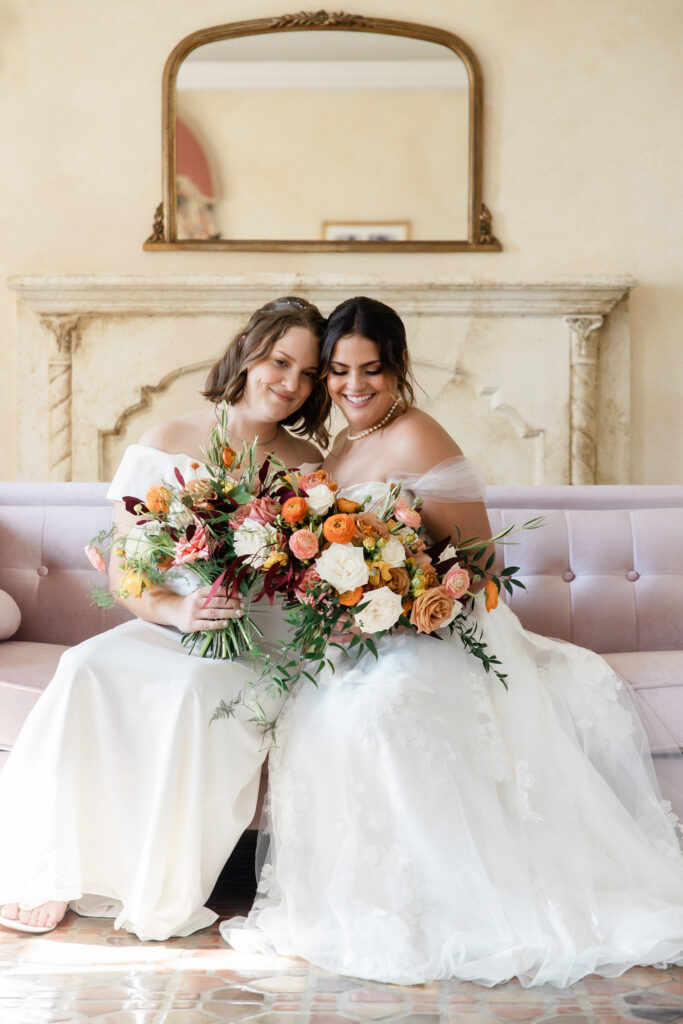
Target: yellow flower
133, 584
275, 558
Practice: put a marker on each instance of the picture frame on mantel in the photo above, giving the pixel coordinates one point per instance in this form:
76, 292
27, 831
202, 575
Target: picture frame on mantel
266, 46
366, 231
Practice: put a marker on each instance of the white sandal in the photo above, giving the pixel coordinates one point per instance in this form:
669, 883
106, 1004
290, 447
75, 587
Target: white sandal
19, 926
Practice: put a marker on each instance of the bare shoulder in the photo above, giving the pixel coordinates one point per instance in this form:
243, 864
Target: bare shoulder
180, 435
419, 442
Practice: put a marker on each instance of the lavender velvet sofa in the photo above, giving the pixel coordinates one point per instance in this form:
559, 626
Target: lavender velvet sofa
605, 572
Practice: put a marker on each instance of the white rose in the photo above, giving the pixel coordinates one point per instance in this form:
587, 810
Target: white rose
343, 566
319, 499
255, 540
458, 609
382, 611
393, 552
140, 542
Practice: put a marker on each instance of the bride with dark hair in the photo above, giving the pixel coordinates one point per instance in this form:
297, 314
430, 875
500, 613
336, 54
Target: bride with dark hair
119, 799
425, 822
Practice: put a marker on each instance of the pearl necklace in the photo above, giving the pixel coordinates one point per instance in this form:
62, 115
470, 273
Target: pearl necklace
364, 433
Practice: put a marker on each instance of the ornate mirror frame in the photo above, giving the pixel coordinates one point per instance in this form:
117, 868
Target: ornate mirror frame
480, 237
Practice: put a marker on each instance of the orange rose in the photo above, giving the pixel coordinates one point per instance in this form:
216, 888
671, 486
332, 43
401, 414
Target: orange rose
339, 529
201, 490
430, 576
294, 510
347, 506
351, 597
158, 499
491, 596
431, 610
369, 525
228, 456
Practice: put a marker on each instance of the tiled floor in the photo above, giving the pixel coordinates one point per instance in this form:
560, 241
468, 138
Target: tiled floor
86, 972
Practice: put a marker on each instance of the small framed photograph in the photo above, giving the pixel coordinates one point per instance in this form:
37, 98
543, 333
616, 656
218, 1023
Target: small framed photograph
366, 231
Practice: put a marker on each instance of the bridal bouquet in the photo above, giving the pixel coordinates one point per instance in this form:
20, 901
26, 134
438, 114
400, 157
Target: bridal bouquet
215, 529
351, 572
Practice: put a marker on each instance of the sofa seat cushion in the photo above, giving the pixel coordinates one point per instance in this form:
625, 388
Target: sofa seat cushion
657, 677
25, 670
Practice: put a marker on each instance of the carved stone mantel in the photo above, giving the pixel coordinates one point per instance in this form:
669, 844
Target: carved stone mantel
72, 329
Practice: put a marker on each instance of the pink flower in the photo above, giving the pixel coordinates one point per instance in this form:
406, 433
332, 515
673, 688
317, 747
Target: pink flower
456, 582
194, 549
95, 558
304, 544
422, 561
310, 480
309, 580
407, 515
261, 510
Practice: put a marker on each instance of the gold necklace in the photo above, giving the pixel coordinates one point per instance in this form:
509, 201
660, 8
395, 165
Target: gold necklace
364, 433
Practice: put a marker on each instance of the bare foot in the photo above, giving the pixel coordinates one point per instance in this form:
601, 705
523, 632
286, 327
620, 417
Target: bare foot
47, 915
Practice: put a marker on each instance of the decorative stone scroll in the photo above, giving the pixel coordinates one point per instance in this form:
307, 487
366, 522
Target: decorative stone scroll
584, 340
66, 333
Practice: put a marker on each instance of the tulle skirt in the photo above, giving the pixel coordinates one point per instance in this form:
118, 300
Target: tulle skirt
426, 823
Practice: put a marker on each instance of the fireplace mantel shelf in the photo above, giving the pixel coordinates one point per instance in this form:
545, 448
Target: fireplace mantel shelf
216, 294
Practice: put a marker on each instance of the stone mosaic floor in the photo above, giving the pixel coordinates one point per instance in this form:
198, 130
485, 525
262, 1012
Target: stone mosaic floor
85, 972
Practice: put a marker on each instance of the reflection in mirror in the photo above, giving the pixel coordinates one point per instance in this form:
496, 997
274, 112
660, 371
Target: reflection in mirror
322, 135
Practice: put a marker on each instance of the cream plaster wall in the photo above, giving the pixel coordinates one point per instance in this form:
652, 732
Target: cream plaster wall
337, 155
583, 152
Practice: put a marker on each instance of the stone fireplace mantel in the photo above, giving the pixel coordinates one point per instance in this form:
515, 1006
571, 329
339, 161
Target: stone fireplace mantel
532, 377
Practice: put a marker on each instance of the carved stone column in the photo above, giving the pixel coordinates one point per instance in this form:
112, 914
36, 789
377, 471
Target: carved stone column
584, 341
66, 332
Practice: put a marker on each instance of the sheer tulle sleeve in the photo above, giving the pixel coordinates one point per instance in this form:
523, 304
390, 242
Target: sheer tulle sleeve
454, 480
141, 467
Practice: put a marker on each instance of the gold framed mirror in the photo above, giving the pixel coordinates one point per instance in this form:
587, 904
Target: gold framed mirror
322, 132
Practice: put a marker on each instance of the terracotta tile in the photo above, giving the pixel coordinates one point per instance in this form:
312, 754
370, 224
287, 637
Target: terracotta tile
94, 1008
472, 1018
605, 986
197, 983
276, 1018
132, 1017
187, 1017
578, 1018
325, 997
676, 988
518, 1012
237, 1011
103, 994
329, 1018
237, 995
280, 983
375, 994
376, 1011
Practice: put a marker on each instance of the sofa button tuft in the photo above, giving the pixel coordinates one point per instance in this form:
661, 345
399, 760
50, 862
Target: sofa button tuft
568, 576
632, 575
43, 570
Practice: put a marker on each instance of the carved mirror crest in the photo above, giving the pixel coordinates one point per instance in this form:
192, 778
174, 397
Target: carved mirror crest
327, 132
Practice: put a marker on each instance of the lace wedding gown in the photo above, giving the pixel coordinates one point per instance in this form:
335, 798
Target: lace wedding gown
120, 797
425, 823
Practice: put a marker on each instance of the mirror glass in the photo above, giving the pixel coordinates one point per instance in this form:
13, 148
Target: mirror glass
322, 135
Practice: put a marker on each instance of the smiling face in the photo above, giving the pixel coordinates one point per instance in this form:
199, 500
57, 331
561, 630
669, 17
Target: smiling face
280, 383
357, 382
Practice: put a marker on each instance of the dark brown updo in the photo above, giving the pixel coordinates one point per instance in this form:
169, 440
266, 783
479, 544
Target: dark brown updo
228, 377
379, 323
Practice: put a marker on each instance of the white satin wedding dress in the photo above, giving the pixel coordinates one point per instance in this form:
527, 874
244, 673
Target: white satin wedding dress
424, 823
120, 797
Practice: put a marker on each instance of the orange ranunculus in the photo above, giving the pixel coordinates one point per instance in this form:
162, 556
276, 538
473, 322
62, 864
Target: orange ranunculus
339, 529
351, 597
491, 596
294, 510
228, 455
158, 499
347, 506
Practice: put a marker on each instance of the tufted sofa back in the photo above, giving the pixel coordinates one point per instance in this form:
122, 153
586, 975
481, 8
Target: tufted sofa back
605, 571
43, 530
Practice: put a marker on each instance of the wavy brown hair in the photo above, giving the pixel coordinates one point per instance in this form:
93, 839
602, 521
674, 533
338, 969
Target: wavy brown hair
228, 376
379, 323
